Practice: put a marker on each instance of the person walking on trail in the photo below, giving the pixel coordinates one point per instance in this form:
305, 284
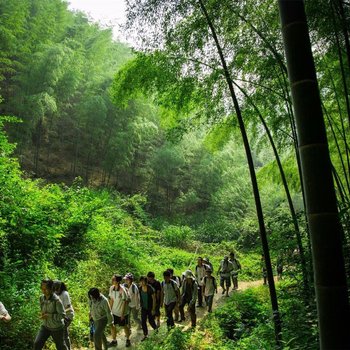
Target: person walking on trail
148, 306
263, 269
4, 314
134, 304
170, 295
52, 316
209, 288
189, 296
118, 301
157, 287
236, 269
178, 280
224, 272
200, 273
101, 315
62, 292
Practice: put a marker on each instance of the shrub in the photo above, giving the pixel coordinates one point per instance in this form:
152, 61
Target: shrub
176, 236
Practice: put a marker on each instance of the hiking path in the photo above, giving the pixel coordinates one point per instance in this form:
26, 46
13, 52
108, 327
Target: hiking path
137, 334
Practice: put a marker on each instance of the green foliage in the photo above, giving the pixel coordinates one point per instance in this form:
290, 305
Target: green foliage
55, 75
176, 236
219, 136
149, 74
81, 116
299, 320
177, 340
76, 234
246, 319
242, 314
173, 340
270, 173
83, 236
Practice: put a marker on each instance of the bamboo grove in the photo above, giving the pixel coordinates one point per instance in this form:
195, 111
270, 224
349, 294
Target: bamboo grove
228, 117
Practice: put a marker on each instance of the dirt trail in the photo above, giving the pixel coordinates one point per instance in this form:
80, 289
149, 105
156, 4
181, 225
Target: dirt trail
137, 334
220, 299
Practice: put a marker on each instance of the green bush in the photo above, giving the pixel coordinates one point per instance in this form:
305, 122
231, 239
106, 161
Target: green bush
176, 339
176, 236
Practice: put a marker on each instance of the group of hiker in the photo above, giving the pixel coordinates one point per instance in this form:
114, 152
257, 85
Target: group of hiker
143, 301
127, 299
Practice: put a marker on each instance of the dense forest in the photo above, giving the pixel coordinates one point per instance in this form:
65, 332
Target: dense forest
196, 141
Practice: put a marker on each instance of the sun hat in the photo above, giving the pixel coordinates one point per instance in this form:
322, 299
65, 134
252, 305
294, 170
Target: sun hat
188, 273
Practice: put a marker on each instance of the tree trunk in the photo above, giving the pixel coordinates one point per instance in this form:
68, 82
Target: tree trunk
341, 64
37, 145
263, 236
325, 228
341, 131
304, 269
330, 123
340, 186
339, 4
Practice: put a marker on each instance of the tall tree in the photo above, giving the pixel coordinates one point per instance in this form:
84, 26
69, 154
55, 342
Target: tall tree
195, 24
259, 211
324, 224
287, 191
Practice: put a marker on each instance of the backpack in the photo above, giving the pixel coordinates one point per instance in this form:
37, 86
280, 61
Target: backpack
172, 282
214, 281
206, 267
123, 287
177, 279
237, 263
224, 267
134, 289
150, 290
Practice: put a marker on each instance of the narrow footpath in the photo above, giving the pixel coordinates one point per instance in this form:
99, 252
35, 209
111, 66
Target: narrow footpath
137, 334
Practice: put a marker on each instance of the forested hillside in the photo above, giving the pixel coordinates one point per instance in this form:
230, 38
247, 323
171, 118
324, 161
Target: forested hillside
55, 73
116, 160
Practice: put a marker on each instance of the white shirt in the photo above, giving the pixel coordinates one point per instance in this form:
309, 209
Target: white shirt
119, 297
200, 273
67, 304
3, 311
170, 292
209, 288
134, 296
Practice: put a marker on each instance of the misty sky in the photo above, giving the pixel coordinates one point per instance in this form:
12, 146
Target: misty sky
107, 12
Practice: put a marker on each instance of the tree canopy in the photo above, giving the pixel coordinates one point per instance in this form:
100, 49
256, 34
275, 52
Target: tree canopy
157, 148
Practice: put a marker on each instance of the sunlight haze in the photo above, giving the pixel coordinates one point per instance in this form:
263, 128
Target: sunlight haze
106, 12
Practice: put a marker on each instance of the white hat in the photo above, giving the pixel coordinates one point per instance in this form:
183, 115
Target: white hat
129, 276
188, 273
